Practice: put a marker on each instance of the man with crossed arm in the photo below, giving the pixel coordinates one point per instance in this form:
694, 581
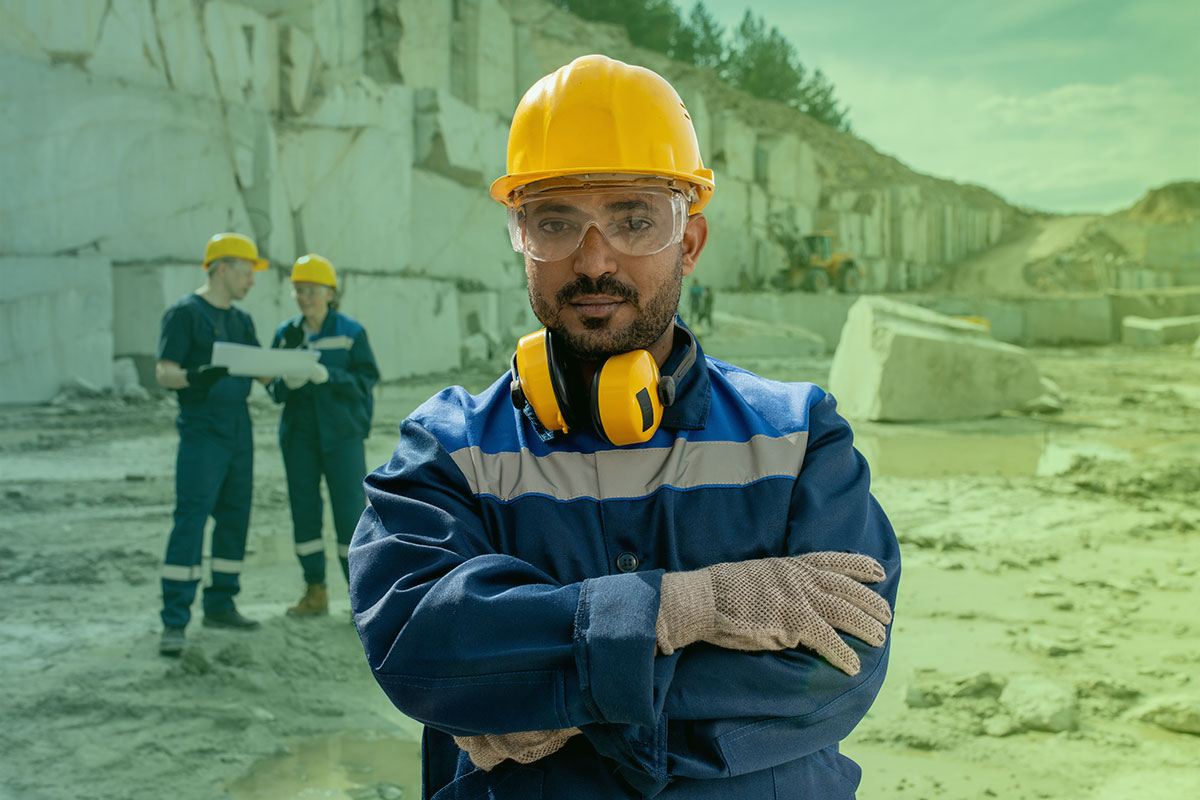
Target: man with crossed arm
621, 570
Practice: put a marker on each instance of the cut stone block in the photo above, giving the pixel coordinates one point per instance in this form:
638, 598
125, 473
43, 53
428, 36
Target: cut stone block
244, 46
31, 27
461, 234
1142, 332
458, 141
425, 43
490, 64
128, 46
778, 165
56, 317
132, 174
733, 146
412, 323
300, 65
362, 102
351, 191
900, 362
189, 69
261, 178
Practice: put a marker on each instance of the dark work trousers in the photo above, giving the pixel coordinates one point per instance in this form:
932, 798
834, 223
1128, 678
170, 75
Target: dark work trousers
214, 476
344, 467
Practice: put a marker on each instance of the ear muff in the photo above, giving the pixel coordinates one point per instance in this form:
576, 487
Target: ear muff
628, 393
627, 396
538, 378
626, 407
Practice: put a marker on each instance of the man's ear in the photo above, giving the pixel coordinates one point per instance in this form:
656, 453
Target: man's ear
695, 235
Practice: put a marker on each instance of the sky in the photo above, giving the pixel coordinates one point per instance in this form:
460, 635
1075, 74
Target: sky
1059, 105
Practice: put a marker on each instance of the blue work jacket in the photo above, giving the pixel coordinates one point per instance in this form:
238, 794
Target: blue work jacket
505, 581
341, 408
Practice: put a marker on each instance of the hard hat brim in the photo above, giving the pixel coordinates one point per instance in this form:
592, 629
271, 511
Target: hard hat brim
504, 186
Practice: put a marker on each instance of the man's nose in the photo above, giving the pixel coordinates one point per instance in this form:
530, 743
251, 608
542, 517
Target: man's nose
595, 255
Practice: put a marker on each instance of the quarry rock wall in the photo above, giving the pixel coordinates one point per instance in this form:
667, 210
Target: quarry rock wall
368, 131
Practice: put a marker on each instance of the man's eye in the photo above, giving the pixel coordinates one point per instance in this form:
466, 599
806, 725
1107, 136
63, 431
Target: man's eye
554, 226
637, 225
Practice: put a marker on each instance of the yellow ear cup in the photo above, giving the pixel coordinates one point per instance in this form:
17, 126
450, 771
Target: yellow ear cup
533, 371
625, 403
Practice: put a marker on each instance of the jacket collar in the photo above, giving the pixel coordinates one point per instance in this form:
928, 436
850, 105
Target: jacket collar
693, 395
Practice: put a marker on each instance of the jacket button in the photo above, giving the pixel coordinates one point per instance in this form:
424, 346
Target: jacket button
627, 562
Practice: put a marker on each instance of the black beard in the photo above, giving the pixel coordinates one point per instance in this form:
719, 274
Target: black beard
651, 322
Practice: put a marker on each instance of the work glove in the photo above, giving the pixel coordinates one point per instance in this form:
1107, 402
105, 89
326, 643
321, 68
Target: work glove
489, 749
318, 374
776, 604
204, 377
293, 337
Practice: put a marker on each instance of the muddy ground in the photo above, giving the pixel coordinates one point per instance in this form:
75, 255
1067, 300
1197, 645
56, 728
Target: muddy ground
1047, 642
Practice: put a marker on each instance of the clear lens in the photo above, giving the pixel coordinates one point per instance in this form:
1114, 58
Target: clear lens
635, 221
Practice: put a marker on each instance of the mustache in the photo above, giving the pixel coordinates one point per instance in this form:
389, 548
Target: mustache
605, 284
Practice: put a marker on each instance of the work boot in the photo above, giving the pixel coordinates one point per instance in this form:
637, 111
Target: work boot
171, 643
229, 619
314, 603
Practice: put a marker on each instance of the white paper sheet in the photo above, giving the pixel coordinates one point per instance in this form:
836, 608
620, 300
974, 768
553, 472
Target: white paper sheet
258, 362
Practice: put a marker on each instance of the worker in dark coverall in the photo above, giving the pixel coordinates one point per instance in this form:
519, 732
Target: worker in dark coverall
626, 569
326, 417
214, 470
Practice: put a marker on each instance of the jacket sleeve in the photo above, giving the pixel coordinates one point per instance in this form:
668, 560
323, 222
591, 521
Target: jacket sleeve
469, 640
734, 712
359, 377
277, 388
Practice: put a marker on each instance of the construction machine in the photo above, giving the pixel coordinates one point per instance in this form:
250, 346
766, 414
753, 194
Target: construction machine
814, 266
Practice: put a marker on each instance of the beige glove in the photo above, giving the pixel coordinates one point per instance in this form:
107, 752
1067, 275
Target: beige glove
319, 374
294, 382
488, 750
776, 604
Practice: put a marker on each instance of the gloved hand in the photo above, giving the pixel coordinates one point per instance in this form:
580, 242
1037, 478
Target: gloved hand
205, 376
294, 382
293, 337
319, 374
488, 750
776, 604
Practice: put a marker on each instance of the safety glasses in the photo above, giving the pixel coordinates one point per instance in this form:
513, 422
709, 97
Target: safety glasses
635, 220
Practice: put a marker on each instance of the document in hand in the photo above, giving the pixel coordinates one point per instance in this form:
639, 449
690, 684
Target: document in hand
256, 362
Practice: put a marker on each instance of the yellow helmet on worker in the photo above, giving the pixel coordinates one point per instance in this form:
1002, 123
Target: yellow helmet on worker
598, 115
233, 245
312, 268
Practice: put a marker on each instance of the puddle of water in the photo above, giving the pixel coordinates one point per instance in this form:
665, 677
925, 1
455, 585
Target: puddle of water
335, 766
916, 453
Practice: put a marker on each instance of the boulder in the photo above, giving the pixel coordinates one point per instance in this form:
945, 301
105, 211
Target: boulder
899, 362
1040, 704
1179, 713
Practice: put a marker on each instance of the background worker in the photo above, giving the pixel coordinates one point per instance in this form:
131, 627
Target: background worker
326, 417
214, 470
622, 571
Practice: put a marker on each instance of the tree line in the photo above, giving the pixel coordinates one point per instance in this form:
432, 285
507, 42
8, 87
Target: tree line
752, 57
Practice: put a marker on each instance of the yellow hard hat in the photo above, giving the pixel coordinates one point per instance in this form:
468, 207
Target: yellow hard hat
599, 115
313, 268
233, 245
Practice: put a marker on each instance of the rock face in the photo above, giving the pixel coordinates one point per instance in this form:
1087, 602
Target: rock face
900, 362
132, 130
